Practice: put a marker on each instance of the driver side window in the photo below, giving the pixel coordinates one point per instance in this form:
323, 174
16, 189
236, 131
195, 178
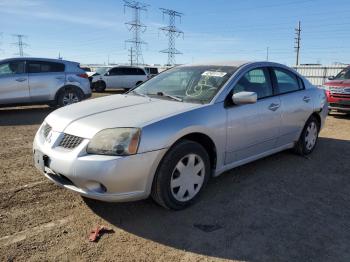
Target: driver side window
256, 80
12, 68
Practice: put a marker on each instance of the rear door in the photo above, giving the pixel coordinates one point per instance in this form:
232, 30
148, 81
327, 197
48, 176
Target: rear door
296, 104
45, 78
253, 129
13, 82
134, 75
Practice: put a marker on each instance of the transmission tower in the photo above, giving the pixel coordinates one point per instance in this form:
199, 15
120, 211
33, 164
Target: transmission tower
297, 42
172, 33
136, 27
20, 44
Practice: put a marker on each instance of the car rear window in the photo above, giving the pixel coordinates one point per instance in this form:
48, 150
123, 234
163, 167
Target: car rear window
45, 67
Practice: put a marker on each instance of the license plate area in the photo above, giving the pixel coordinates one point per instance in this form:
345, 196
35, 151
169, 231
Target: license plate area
40, 160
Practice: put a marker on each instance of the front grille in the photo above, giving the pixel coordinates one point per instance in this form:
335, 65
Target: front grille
70, 141
339, 90
46, 130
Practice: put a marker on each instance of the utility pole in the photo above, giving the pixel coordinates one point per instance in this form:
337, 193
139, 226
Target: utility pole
267, 53
172, 33
136, 27
297, 42
0, 40
20, 44
59, 56
131, 56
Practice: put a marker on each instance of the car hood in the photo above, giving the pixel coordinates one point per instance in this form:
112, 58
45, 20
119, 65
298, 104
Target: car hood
338, 83
86, 118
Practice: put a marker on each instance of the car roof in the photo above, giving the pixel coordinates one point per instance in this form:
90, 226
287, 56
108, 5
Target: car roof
233, 63
38, 58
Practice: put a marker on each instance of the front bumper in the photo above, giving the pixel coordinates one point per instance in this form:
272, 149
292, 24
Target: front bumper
106, 178
339, 102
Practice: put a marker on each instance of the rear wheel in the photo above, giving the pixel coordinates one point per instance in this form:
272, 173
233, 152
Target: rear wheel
181, 176
308, 137
100, 86
69, 96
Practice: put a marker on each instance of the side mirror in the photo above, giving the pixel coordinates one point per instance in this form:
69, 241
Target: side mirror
242, 98
331, 78
107, 73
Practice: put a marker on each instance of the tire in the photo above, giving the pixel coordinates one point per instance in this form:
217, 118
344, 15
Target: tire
68, 96
100, 86
168, 189
308, 138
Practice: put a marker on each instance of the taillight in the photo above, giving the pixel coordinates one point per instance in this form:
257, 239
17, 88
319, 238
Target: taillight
83, 75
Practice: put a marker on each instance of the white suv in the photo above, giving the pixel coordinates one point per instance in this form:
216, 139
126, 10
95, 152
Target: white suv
125, 77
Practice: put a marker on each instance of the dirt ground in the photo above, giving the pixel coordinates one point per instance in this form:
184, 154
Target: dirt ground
281, 208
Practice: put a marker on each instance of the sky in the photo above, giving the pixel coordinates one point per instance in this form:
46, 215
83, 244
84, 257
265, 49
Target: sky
94, 31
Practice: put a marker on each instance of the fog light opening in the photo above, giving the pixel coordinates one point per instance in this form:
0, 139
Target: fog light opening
95, 187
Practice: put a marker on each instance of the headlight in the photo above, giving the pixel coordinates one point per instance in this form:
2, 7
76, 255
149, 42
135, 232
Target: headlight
115, 141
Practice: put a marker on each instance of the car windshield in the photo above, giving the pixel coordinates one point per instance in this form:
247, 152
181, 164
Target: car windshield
344, 74
189, 83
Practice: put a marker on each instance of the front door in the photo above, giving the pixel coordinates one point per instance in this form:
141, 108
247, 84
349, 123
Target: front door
253, 129
13, 82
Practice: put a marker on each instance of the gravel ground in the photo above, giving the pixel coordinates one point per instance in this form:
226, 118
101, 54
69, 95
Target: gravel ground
281, 208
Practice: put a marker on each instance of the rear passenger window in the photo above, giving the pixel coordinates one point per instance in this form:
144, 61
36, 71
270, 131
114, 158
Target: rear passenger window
45, 67
256, 80
287, 81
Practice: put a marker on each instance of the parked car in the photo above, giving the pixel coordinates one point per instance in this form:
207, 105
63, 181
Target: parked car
151, 71
338, 91
168, 136
88, 71
125, 77
42, 81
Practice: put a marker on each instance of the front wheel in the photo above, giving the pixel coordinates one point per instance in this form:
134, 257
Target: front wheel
100, 86
69, 96
308, 138
181, 176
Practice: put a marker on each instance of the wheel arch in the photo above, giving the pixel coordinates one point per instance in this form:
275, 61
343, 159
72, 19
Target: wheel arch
66, 87
205, 141
317, 116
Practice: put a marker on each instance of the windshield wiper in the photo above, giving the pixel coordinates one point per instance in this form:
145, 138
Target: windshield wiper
167, 95
137, 93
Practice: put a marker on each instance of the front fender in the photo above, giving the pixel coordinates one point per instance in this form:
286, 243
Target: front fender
209, 120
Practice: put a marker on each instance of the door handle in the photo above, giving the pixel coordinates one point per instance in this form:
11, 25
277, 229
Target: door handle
21, 79
306, 99
60, 77
274, 107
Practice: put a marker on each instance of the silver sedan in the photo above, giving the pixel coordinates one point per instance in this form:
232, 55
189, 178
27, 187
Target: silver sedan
168, 136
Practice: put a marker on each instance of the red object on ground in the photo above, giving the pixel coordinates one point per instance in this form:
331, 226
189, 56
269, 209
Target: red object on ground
96, 234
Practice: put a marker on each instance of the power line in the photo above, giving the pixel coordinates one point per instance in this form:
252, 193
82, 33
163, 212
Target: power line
20, 44
172, 32
136, 27
297, 42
